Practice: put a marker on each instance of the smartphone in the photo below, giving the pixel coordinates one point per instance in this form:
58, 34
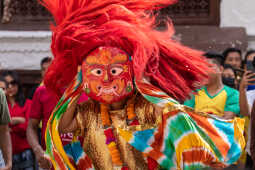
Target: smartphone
250, 67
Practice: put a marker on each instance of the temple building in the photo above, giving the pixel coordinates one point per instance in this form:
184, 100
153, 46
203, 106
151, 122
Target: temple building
208, 25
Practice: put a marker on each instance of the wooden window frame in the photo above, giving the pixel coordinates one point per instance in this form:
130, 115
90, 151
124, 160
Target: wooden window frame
212, 19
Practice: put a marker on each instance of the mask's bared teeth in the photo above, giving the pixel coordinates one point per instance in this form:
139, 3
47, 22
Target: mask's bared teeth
108, 91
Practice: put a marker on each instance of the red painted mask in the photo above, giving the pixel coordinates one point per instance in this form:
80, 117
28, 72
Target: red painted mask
107, 75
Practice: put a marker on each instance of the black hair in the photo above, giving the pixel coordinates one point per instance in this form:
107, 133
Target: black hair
247, 54
228, 66
218, 58
45, 60
230, 50
19, 97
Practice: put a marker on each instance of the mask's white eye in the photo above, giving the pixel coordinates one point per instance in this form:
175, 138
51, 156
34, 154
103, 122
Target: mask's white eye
115, 71
97, 72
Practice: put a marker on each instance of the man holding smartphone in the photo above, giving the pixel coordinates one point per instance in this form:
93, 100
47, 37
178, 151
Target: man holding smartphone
250, 65
247, 98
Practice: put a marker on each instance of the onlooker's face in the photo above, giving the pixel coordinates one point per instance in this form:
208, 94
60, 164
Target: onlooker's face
229, 73
44, 68
3, 86
234, 59
251, 57
12, 88
228, 77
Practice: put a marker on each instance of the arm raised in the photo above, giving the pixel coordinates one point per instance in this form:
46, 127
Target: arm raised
68, 122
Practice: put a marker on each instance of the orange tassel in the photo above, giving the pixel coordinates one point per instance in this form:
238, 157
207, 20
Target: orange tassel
105, 115
115, 154
114, 151
131, 112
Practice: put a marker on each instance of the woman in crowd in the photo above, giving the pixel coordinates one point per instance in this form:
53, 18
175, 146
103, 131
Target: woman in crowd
249, 56
248, 64
229, 76
19, 107
233, 57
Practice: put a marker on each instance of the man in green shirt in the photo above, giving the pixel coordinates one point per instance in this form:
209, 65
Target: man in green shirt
216, 98
5, 142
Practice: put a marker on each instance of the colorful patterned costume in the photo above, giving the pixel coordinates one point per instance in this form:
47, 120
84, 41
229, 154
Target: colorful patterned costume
122, 60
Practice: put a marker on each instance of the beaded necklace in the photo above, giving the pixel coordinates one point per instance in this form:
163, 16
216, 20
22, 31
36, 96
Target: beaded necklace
110, 138
108, 131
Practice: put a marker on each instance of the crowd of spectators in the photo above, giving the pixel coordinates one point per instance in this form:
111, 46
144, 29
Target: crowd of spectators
18, 111
244, 82
229, 92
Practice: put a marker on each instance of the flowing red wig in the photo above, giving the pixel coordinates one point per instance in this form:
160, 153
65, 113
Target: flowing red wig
83, 25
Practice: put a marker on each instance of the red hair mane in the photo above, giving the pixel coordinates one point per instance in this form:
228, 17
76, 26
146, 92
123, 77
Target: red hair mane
83, 25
